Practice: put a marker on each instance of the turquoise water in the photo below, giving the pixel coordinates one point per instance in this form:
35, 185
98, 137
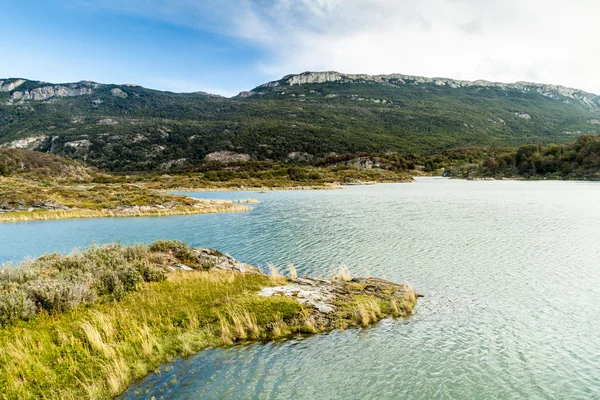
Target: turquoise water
510, 272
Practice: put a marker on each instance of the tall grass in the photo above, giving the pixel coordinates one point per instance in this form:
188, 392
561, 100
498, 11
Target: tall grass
44, 215
96, 351
86, 325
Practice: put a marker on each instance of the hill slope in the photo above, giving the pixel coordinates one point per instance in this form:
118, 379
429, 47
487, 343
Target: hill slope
128, 127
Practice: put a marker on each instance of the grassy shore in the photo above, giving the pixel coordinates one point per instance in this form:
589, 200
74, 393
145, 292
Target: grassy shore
27, 199
86, 325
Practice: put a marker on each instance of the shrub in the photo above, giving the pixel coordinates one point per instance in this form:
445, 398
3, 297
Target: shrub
55, 296
177, 248
55, 282
15, 305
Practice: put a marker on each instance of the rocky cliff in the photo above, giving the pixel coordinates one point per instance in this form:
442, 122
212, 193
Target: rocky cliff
551, 91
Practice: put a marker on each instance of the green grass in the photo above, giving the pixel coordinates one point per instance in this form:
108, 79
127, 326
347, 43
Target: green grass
86, 325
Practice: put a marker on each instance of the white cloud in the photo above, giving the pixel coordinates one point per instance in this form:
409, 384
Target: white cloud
549, 41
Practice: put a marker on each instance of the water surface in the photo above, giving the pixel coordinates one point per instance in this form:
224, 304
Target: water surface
509, 270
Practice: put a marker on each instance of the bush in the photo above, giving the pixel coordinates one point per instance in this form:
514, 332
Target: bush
55, 283
15, 305
55, 296
175, 247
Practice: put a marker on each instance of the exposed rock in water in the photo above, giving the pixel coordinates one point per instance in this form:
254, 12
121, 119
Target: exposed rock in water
332, 303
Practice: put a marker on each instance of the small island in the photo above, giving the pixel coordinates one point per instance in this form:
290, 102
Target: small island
89, 323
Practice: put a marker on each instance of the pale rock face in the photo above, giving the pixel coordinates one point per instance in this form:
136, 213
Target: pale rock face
552, 91
243, 95
116, 92
594, 121
47, 92
30, 143
227, 157
107, 121
313, 77
523, 115
300, 156
79, 143
10, 86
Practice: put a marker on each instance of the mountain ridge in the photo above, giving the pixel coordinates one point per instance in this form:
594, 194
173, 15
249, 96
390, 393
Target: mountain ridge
132, 128
310, 77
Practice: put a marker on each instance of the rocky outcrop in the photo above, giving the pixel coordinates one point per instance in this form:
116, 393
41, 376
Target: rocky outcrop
30, 143
328, 300
551, 91
211, 258
300, 156
22, 205
523, 115
9, 86
47, 92
331, 303
84, 143
116, 92
227, 157
314, 77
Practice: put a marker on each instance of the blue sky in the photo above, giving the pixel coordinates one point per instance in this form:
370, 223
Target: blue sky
226, 46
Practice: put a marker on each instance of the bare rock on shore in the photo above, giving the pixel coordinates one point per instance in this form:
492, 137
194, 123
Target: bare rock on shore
215, 259
327, 297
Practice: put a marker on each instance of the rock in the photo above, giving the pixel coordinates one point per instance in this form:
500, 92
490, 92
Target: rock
362, 163
47, 92
319, 297
300, 156
84, 143
6, 86
523, 115
183, 267
107, 121
116, 92
215, 259
30, 143
323, 296
227, 157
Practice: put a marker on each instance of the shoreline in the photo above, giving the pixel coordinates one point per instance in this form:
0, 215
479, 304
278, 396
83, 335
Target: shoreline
190, 299
204, 207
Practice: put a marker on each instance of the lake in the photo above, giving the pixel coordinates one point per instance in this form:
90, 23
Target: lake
510, 271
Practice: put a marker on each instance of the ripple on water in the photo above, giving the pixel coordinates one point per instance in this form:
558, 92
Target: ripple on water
509, 271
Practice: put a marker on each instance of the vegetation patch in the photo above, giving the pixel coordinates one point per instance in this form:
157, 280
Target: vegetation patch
86, 325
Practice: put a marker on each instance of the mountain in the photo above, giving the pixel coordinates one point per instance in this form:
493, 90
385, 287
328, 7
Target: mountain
300, 117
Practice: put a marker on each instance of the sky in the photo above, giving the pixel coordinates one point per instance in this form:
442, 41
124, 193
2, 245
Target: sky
227, 46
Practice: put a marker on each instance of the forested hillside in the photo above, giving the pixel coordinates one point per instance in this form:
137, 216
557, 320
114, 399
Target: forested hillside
299, 118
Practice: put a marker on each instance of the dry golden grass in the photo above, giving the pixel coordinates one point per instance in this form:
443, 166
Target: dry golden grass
96, 352
343, 274
96, 349
292, 271
207, 208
